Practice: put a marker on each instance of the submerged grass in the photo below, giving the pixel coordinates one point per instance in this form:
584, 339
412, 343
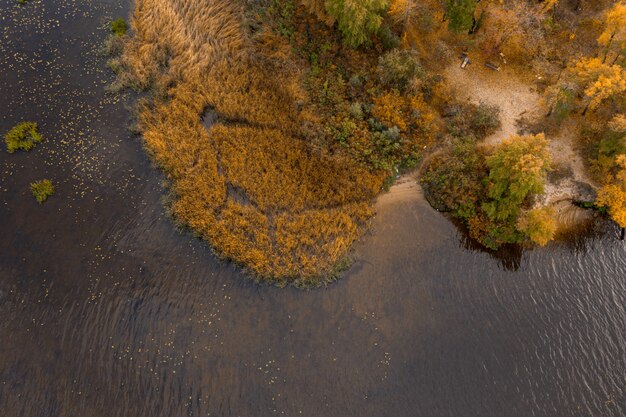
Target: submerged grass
252, 184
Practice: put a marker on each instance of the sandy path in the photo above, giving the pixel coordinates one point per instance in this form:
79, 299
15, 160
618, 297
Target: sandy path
503, 89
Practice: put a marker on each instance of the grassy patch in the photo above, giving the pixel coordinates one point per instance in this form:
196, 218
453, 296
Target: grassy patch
24, 136
42, 190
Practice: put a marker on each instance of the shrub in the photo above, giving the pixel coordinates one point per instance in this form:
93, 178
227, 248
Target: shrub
24, 136
398, 68
42, 190
356, 111
388, 39
477, 121
517, 168
283, 13
119, 27
538, 225
460, 14
485, 119
452, 179
357, 19
113, 46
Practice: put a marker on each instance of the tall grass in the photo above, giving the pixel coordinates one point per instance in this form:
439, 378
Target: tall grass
252, 185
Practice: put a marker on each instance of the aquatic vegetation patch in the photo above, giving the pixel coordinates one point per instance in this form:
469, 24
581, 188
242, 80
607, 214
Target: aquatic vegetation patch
254, 184
119, 27
23, 136
42, 190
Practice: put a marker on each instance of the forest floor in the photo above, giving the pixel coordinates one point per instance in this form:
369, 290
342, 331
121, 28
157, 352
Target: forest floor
520, 104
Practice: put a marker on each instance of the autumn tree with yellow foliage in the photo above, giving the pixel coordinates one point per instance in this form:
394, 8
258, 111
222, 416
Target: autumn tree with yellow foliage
517, 170
613, 38
538, 224
613, 194
599, 81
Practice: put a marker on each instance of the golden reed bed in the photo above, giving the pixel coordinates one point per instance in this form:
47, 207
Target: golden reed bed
252, 185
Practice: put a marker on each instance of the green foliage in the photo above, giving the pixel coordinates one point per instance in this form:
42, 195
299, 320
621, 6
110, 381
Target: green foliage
460, 14
604, 151
517, 168
477, 121
398, 68
345, 131
119, 27
283, 13
564, 104
488, 193
23, 136
388, 39
485, 119
453, 179
387, 149
42, 190
591, 205
357, 19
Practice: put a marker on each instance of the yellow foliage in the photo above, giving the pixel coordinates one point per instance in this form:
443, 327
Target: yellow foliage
548, 5
250, 185
618, 123
409, 113
538, 224
599, 80
510, 29
615, 28
613, 194
392, 110
613, 197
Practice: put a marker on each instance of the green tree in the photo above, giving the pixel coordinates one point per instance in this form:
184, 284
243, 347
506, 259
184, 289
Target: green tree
517, 168
460, 14
357, 19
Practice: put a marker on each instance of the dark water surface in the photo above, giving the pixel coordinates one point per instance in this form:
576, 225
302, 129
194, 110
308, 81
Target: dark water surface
107, 310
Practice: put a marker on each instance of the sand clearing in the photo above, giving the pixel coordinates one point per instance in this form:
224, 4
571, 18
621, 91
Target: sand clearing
517, 99
503, 89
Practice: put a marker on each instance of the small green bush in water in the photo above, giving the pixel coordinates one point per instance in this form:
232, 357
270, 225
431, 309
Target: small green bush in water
23, 136
119, 27
42, 190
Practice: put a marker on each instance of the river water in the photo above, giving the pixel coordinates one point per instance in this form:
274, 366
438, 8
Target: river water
106, 309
